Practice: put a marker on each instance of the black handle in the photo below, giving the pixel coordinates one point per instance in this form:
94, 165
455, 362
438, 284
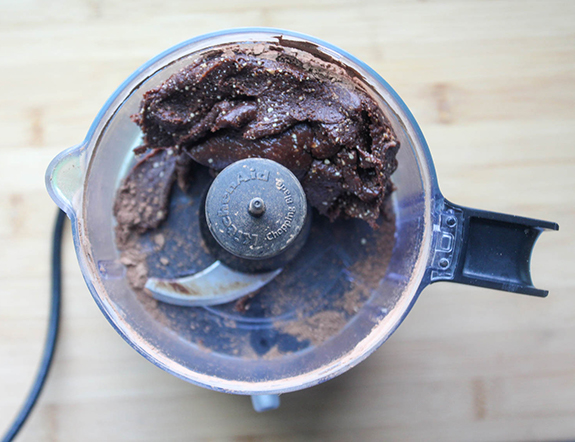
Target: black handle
486, 249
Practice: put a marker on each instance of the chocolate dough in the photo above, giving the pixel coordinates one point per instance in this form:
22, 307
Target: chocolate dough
142, 200
234, 104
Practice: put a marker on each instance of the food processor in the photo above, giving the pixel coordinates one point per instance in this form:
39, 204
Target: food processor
235, 318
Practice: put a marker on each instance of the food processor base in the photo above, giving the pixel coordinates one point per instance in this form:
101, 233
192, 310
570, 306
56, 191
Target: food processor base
265, 402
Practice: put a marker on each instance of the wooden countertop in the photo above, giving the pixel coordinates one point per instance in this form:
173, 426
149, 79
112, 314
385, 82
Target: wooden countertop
492, 85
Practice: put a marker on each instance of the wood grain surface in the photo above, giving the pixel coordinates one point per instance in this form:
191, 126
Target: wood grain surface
492, 84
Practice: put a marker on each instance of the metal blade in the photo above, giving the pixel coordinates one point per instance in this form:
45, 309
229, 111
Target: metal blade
217, 284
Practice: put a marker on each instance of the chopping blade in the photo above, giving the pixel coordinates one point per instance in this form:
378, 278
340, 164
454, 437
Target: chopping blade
217, 284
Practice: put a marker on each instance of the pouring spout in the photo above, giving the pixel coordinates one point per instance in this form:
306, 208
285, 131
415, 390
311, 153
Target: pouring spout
64, 178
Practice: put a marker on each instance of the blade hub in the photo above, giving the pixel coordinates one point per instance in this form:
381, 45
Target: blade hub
256, 209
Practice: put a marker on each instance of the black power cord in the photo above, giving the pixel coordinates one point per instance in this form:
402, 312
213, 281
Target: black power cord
51, 335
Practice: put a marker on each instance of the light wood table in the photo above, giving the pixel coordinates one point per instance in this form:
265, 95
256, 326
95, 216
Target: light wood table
493, 86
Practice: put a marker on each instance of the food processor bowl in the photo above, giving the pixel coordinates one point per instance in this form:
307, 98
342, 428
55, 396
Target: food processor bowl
435, 240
